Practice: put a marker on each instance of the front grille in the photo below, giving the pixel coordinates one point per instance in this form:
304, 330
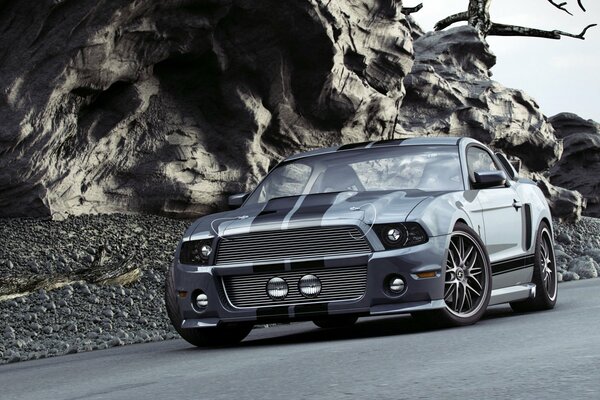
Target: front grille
315, 242
337, 284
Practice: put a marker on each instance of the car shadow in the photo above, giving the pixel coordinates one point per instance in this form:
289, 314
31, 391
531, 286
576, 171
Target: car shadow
365, 328
306, 332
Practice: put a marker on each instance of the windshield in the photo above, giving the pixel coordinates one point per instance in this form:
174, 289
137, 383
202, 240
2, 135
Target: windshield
428, 168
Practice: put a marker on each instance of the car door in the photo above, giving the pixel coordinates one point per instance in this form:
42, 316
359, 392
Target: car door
500, 207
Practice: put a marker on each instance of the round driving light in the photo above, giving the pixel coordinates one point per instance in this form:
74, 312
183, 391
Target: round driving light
393, 235
202, 300
396, 284
277, 288
309, 286
205, 250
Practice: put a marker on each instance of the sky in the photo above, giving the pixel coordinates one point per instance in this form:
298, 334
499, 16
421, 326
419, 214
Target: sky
561, 75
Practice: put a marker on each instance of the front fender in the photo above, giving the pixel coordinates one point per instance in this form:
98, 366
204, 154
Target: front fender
438, 215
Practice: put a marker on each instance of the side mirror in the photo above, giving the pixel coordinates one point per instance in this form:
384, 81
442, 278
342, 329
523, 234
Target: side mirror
488, 179
236, 200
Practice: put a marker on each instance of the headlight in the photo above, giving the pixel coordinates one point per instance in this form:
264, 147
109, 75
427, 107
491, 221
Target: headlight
195, 252
394, 236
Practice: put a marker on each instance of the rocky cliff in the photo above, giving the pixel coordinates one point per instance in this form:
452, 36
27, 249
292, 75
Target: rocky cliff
165, 106
161, 106
579, 166
450, 91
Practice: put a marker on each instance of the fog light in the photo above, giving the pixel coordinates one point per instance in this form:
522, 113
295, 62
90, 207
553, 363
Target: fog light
277, 288
202, 300
309, 286
206, 250
396, 284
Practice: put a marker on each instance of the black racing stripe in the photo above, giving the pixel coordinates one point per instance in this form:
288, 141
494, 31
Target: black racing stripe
508, 260
362, 197
267, 313
351, 146
268, 268
507, 265
511, 270
311, 309
315, 264
275, 210
314, 205
530, 259
348, 262
511, 265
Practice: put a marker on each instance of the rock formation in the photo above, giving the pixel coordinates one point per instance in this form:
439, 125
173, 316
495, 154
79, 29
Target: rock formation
566, 124
450, 92
579, 169
161, 106
165, 106
565, 204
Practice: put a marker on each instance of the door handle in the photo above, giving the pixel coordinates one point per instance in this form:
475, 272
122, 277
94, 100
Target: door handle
517, 204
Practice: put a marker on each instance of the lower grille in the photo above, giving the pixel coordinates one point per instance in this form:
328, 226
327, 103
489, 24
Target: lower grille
338, 284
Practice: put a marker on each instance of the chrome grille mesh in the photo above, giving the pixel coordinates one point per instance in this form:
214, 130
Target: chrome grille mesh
315, 242
338, 284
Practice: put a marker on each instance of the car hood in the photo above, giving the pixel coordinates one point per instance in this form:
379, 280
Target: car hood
313, 210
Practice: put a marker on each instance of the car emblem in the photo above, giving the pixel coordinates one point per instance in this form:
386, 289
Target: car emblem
393, 235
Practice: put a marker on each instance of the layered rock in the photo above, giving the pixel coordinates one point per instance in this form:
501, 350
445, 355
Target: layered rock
565, 204
166, 106
566, 124
450, 92
162, 106
579, 169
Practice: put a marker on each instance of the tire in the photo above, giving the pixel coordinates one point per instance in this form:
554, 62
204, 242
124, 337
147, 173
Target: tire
467, 283
544, 277
202, 337
341, 321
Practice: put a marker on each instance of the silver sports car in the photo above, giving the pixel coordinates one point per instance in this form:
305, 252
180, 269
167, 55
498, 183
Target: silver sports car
436, 227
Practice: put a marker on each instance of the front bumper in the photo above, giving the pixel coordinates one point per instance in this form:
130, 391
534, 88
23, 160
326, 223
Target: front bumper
419, 294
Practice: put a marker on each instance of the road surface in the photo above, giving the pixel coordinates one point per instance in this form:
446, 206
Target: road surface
545, 355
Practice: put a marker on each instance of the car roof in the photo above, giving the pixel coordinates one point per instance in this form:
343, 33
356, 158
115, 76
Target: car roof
413, 141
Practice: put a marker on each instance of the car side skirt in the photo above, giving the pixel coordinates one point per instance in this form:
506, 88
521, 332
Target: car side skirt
512, 293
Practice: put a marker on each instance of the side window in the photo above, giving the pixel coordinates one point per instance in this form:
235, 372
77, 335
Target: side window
479, 160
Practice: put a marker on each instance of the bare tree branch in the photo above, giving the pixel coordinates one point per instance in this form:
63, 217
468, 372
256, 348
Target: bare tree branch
478, 16
410, 10
561, 6
514, 30
446, 22
580, 36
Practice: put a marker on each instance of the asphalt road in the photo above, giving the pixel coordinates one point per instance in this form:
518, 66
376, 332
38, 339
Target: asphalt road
547, 355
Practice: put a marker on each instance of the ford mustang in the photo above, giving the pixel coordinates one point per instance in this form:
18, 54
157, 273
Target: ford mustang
440, 228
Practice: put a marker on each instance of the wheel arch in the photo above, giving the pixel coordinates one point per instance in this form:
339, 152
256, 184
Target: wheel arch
460, 220
549, 223
543, 217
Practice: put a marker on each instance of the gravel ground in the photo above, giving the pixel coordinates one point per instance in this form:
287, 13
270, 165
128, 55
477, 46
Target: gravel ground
578, 249
81, 316
74, 314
